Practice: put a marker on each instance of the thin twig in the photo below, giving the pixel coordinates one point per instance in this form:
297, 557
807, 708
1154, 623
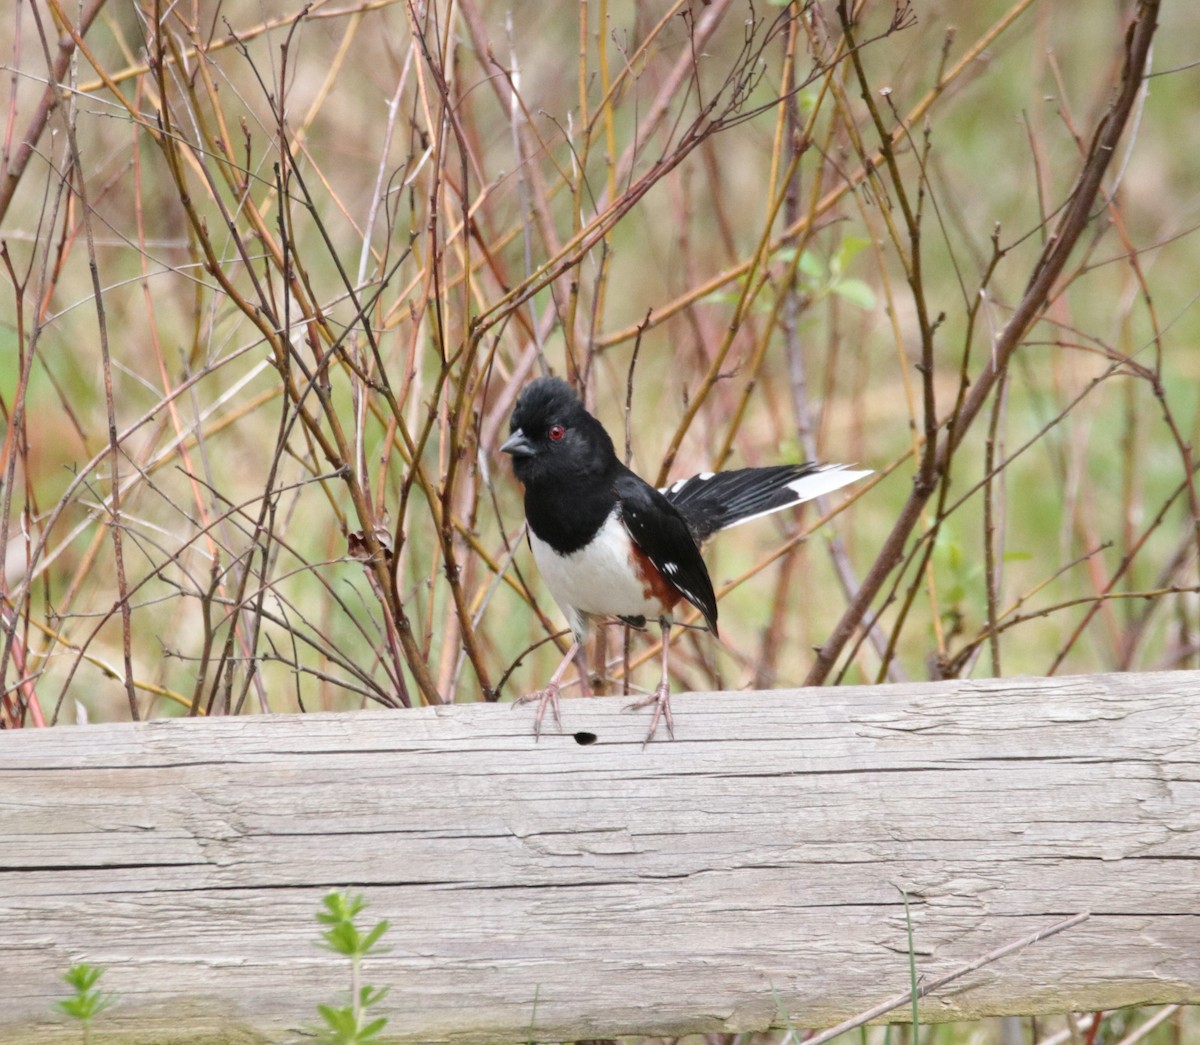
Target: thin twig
905, 998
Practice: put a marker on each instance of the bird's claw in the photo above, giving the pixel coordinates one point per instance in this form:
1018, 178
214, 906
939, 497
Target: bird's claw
549, 695
661, 699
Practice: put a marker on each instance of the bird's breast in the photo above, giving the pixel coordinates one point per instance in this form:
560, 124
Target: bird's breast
607, 577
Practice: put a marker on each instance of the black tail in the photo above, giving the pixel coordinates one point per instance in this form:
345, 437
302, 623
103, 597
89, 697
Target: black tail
713, 501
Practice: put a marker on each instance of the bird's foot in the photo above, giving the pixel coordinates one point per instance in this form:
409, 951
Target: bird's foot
661, 699
549, 696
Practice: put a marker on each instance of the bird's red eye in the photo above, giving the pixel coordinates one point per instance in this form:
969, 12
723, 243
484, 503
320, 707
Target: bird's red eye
556, 432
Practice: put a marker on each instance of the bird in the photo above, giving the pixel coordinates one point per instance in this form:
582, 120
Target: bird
609, 545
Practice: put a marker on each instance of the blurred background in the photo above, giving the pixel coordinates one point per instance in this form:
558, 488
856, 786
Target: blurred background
273, 277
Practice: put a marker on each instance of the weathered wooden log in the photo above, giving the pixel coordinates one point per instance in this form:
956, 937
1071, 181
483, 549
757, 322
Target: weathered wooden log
585, 886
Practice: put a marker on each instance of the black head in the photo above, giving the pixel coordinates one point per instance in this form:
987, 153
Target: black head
554, 439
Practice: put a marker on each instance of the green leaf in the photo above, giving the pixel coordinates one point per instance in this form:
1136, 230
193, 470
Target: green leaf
856, 292
83, 977
372, 1029
812, 266
848, 250
342, 906
342, 939
87, 1002
372, 937
368, 995
71, 1007
340, 1019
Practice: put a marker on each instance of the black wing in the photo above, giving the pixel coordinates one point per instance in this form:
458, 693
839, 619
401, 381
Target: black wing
663, 536
713, 501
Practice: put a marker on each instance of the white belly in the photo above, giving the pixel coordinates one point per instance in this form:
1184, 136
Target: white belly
596, 581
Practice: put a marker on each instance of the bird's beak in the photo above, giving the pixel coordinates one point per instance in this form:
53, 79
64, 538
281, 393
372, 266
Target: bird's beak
517, 445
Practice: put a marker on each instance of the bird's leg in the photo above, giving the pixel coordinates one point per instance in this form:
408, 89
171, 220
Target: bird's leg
549, 695
581, 662
661, 697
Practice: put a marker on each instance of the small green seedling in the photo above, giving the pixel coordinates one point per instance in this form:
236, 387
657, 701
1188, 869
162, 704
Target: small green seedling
349, 1024
88, 1001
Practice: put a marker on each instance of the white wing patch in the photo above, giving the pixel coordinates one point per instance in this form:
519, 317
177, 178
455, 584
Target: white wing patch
679, 484
826, 479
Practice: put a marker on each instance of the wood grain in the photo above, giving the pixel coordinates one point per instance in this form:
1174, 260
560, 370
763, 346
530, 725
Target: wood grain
562, 890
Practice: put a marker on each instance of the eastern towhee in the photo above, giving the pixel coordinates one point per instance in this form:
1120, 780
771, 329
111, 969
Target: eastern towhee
610, 545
